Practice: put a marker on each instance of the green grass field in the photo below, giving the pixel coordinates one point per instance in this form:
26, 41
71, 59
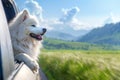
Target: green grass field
80, 65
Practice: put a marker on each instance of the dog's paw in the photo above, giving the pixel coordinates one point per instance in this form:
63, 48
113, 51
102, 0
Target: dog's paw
34, 66
31, 63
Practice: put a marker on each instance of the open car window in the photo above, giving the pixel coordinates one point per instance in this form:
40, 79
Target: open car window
10, 9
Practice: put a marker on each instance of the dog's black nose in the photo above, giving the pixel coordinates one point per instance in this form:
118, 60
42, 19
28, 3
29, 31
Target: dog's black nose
44, 30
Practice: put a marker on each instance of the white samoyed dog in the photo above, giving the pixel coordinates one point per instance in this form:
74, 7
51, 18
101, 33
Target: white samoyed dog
26, 38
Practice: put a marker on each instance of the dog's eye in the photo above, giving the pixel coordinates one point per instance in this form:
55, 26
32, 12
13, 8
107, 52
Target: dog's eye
33, 25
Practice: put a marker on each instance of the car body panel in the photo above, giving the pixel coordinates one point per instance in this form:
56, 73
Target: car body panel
22, 72
6, 46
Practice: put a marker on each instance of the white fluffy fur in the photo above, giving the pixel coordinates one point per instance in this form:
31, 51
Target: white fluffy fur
25, 47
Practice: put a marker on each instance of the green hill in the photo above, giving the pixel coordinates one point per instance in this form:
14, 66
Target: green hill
108, 34
53, 44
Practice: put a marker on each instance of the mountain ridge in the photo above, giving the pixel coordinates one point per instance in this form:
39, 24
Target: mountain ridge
108, 34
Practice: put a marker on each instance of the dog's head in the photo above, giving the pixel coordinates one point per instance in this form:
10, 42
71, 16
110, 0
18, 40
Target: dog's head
30, 26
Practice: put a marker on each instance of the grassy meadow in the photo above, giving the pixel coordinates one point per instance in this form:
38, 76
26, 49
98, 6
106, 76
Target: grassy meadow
80, 65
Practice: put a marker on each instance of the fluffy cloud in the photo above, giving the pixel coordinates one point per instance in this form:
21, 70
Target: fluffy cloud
34, 8
70, 20
69, 14
67, 23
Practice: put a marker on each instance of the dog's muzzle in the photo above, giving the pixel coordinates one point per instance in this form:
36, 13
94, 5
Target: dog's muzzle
38, 36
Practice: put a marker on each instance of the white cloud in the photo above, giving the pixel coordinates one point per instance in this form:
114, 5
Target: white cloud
67, 22
69, 14
70, 20
34, 8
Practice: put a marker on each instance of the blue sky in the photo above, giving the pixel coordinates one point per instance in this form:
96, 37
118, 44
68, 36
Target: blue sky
91, 13
87, 7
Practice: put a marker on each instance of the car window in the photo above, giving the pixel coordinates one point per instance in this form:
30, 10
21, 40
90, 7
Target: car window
10, 9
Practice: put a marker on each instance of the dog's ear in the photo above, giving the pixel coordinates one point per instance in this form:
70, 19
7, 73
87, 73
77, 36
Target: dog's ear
25, 15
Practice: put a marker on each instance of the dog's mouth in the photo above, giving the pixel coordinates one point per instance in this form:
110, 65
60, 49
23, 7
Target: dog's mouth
38, 36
